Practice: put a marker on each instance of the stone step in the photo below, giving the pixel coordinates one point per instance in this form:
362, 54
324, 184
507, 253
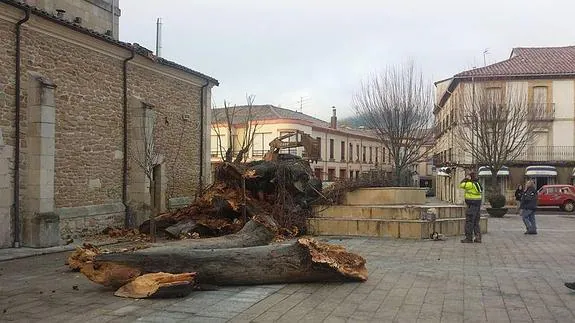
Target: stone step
386, 196
389, 212
404, 229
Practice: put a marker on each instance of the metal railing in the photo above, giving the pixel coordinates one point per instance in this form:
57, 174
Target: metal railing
547, 153
541, 112
258, 152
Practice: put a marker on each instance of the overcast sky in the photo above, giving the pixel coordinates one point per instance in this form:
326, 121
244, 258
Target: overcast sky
281, 50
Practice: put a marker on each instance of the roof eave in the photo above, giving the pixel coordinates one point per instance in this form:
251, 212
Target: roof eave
92, 33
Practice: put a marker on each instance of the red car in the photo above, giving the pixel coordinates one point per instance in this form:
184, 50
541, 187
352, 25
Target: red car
562, 196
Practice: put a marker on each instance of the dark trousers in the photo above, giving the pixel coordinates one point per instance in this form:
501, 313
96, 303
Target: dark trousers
472, 216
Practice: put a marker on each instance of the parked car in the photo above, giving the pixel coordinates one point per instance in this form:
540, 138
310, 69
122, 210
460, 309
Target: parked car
562, 196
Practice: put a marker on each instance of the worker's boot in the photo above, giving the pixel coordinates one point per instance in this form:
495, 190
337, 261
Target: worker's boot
477, 239
467, 240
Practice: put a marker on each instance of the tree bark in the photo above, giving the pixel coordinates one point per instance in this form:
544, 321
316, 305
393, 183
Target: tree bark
304, 260
259, 231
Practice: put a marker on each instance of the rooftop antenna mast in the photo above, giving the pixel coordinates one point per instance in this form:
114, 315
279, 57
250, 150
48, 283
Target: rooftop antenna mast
159, 37
485, 53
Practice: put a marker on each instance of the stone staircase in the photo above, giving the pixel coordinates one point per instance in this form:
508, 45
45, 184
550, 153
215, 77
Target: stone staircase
395, 212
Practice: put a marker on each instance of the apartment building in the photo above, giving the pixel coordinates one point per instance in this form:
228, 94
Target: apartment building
547, 77
345, 152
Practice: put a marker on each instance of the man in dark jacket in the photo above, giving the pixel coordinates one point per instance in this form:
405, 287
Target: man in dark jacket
528, 207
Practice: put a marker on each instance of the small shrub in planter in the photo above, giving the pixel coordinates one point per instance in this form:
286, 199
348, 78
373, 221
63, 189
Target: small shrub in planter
497, 201
497, 209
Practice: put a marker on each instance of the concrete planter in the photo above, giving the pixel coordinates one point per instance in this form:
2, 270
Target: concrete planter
497, 212
386, 196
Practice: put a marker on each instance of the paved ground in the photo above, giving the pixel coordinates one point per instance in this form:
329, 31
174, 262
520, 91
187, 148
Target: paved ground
509, 278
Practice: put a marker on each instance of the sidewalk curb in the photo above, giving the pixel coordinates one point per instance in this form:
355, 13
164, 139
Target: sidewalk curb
25, 252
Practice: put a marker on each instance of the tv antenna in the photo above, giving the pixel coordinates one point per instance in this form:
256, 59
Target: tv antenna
485, 53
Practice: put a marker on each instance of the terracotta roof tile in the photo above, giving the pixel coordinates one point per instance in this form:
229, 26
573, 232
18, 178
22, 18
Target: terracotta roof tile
270, 112
525, 61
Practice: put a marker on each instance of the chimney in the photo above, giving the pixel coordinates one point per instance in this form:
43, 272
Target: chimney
333, 119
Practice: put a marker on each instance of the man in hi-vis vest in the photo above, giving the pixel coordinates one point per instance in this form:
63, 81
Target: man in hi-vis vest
473, 197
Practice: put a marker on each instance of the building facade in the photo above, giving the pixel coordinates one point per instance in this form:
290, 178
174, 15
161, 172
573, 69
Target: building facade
78, 111
547, 77
345, 152
101, 16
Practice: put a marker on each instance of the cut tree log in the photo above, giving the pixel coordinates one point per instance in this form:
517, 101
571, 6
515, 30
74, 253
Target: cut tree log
259, 231
158, 285
303, 260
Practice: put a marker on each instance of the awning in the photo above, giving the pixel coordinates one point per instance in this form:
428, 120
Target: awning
444, 171
485, 171
541, 171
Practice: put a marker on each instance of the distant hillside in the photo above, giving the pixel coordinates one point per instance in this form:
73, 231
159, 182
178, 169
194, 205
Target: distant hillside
353, 121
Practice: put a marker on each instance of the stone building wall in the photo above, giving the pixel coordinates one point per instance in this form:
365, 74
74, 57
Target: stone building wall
94, 14
88, 98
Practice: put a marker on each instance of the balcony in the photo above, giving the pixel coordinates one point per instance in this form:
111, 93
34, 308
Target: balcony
541, 112
547, 154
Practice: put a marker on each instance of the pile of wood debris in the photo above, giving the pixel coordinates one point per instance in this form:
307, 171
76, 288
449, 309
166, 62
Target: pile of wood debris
284, 189
236, 224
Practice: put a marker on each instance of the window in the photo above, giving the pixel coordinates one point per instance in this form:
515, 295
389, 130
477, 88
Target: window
539, 106
218, 146
364, 153
383, 155
317, 173
450, 154
376, 155
342, 173
331, 149
357, 152
350, 174
261, 143
356, 174
350, 152
342, 147
319, 147
370, 155
331, 174
293, 150
540, 95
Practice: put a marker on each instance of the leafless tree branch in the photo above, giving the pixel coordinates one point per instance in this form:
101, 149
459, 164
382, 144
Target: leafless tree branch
496, 125
397, 104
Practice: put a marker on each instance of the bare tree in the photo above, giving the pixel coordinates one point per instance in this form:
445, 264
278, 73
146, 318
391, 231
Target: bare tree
497, 125
397, 104
231, 116
146, 156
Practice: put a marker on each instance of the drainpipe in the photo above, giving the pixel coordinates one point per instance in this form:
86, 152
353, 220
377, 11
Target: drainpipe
17, 124
127, 219
202, 106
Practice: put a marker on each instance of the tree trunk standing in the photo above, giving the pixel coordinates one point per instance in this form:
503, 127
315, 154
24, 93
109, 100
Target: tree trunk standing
153, 211
304, 260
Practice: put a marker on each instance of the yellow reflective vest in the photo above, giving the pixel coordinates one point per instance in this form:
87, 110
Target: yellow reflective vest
472, 189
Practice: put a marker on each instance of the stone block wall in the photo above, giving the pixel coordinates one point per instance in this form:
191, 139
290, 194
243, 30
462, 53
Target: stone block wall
88, 99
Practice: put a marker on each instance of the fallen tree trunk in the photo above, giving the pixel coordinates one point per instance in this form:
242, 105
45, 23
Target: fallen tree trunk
259, 231
304, 260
